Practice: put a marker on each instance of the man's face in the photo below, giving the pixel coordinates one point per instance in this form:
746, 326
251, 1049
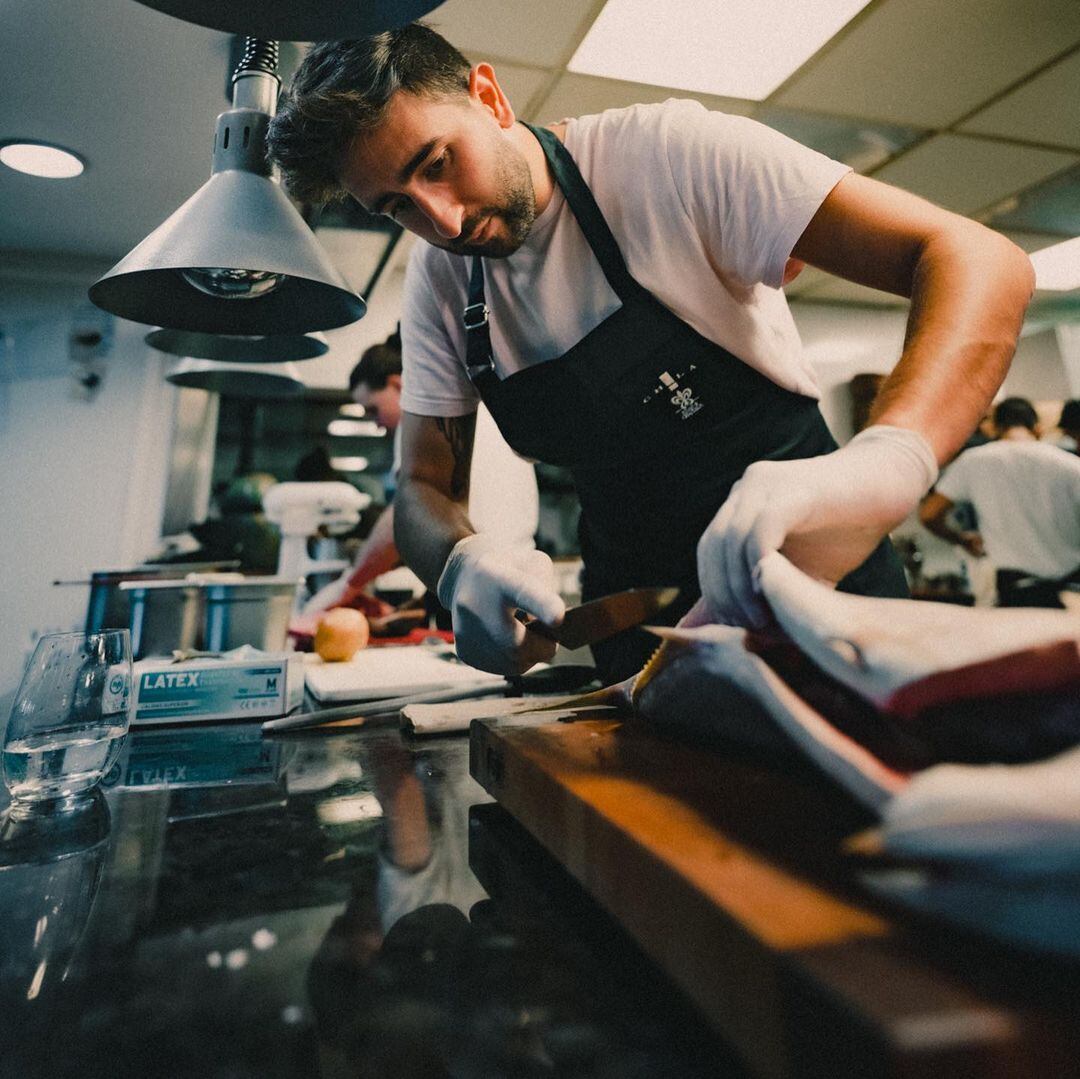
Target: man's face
445, 169
383, 406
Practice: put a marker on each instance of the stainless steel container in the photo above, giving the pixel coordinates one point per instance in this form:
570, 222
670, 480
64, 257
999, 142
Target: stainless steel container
109, 608
254, 611
163, 616
212, 613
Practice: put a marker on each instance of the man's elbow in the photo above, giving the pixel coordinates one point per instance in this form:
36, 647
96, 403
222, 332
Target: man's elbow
1016, 269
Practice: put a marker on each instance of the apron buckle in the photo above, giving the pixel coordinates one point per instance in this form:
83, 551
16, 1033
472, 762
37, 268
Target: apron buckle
476, 316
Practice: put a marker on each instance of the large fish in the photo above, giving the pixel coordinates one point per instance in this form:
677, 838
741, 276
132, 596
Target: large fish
959, 727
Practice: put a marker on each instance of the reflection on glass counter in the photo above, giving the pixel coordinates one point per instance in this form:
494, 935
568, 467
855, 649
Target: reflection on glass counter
306, 907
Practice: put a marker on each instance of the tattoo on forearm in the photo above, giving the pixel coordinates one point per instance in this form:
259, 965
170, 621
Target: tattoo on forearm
457, 430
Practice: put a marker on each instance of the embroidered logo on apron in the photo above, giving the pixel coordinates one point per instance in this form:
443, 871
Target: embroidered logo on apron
682, 400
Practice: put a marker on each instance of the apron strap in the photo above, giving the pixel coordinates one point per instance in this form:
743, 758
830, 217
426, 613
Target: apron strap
588, 215
479, 361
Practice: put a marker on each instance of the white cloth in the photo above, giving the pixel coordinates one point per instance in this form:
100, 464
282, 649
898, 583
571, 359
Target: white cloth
705, 208
1027, 498
503, 497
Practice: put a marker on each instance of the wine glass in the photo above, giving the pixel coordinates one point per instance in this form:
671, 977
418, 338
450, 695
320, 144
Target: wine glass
68, 720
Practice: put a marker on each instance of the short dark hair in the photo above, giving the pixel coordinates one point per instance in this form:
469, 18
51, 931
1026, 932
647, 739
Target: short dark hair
377, 364
1070, 415
342, 88
1015, 412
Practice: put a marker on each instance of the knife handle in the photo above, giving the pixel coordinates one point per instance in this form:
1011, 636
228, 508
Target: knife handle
534, 625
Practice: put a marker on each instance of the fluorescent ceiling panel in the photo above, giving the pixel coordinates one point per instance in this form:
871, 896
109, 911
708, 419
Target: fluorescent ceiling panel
349, 464
745, 49
355, 429
1057, 268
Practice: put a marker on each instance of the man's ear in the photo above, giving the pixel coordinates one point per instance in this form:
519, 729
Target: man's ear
484, 88
394, 381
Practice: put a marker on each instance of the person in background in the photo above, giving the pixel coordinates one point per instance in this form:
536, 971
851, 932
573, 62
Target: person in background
610, 287
503, 500
1069, 424
1026, 498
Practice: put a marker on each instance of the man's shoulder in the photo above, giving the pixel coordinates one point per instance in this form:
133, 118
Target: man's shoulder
648, 120
1006, 453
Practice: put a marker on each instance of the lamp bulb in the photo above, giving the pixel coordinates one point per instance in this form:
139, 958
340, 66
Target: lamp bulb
233, 284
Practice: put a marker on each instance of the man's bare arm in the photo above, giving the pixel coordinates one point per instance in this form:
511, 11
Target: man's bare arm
934, 515
432, 500
969, 288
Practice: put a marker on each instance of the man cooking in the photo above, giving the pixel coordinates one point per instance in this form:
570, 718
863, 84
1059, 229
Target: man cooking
609, 286
503, 497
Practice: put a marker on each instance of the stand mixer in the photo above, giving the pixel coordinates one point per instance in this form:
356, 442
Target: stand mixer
301, 509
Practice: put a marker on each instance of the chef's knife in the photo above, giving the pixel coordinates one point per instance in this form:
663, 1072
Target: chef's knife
604, 617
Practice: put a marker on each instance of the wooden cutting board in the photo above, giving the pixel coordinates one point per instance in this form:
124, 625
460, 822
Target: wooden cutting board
728, 874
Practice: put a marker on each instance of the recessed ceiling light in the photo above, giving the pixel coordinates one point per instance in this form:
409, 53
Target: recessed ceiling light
355, 429
349, 464
1057, 268
735, 49
41, 159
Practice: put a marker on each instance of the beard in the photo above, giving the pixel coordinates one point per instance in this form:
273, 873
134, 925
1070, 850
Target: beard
514, 210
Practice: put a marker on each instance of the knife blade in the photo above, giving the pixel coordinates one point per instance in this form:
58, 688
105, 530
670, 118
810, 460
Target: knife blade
601, 618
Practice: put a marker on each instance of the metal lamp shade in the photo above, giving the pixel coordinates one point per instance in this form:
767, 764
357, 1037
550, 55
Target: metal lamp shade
213, 346
240, 221
287, 20
238, 379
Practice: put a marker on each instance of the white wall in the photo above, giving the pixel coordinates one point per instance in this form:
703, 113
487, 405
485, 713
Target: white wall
81, 482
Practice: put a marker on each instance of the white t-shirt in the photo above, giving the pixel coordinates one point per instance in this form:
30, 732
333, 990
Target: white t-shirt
503, 497
705, 208
1027, 498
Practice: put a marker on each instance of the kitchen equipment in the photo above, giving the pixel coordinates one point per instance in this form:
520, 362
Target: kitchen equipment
302, 509
254, 611
110, 608
164, 615
360, 714
238, 378
210, 613
314, 20
604, 617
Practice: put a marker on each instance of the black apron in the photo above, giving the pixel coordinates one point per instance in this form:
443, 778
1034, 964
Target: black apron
655, 423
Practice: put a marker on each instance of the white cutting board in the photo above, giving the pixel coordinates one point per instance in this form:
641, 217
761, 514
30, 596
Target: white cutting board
391, 671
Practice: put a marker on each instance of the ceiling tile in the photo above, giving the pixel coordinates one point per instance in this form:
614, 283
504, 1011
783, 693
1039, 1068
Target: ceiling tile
927, 63
862, 144
1047, 109
581, 95
521, 30
967, 174
1050, 206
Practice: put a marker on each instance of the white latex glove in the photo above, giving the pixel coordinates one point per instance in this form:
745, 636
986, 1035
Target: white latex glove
482, 585
826, 514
